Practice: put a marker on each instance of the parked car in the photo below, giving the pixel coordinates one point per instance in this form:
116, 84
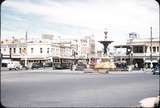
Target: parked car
25, 67
156, 70
14, 65
81, 66
49, 64
57, 66
36, 65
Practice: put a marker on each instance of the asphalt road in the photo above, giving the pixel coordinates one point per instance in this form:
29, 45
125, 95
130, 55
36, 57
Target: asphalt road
60, 89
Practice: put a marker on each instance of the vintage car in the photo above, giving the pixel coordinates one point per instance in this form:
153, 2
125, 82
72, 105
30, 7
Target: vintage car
156, 70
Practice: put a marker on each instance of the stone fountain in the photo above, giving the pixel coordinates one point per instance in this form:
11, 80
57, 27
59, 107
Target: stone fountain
105, 64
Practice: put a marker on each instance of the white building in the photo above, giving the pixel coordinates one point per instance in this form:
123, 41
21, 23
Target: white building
42, 50
141, 51
86, 47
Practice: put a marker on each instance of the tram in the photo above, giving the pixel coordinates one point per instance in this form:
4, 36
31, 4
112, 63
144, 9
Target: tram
62, 63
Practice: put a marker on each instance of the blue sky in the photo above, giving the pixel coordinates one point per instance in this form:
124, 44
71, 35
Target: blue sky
78, 18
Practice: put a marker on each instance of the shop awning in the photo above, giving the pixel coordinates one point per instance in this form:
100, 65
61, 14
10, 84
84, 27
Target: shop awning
149, 61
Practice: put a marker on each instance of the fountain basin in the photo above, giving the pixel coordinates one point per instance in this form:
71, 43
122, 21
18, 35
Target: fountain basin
105, 65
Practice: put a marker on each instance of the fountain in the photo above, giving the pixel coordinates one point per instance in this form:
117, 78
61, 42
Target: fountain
105, 65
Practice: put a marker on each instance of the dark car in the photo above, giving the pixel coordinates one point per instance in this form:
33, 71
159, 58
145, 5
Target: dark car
156, 70
57, 66
25, 67
49, 64
81, 66
36, 65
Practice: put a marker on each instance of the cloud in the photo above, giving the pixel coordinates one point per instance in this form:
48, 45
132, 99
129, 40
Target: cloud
84, 17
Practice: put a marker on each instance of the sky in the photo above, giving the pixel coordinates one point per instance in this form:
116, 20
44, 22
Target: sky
79, 18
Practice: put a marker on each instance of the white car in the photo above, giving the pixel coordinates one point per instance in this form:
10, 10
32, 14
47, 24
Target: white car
150, 102
14, 65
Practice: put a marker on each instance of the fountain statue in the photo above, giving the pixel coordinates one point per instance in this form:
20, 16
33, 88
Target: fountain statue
105, 64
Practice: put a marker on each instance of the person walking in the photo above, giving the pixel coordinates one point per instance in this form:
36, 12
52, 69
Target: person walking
44, 65
71, 66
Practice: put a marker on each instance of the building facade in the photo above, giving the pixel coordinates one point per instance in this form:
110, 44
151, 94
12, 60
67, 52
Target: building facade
86, 47
44, 50
141, 51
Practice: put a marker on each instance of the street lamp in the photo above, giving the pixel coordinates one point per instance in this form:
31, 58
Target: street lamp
151, 47
25, 61
131, 58
1, 59
74, 53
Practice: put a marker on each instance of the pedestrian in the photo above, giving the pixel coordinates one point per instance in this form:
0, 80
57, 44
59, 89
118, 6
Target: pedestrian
71, 66
136, 66
44, 65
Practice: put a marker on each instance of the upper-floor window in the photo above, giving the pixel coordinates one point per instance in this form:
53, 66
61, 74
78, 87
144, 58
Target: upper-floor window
84, 41
157, 49
10, 50
4, 49
56, 49
41, 51
20, 50
138, 49
31, 50
14, 50
24, 50
145, 49
47, 50
154, 49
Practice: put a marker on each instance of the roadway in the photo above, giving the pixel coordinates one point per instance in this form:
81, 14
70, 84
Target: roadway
52, 88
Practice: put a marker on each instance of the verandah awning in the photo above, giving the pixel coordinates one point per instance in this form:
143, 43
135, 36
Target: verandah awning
149, 61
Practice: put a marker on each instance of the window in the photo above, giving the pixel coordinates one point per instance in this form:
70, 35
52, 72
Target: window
31, 50
157, 49
145, 49
10, 50
154, 49
41, 50
20, 50
14, 50
150, 49
24, 50
47, 50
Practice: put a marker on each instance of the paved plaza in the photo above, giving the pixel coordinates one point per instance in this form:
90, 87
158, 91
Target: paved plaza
65, 88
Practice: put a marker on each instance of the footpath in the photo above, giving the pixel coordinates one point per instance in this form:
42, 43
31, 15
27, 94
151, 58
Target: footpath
88, 71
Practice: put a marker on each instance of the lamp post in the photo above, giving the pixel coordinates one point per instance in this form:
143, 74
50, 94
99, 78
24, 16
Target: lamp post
131, 58
10, 51
74, 55
151, 47
1, 59
25, 61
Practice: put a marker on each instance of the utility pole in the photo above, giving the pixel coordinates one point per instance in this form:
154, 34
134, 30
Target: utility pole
25, 62
151, 47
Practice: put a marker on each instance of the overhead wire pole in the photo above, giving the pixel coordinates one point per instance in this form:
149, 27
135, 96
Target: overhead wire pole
151, 47
26, 38
159, 47
159, 44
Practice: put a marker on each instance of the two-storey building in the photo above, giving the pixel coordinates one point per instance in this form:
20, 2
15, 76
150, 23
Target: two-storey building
45, 49
142, 51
